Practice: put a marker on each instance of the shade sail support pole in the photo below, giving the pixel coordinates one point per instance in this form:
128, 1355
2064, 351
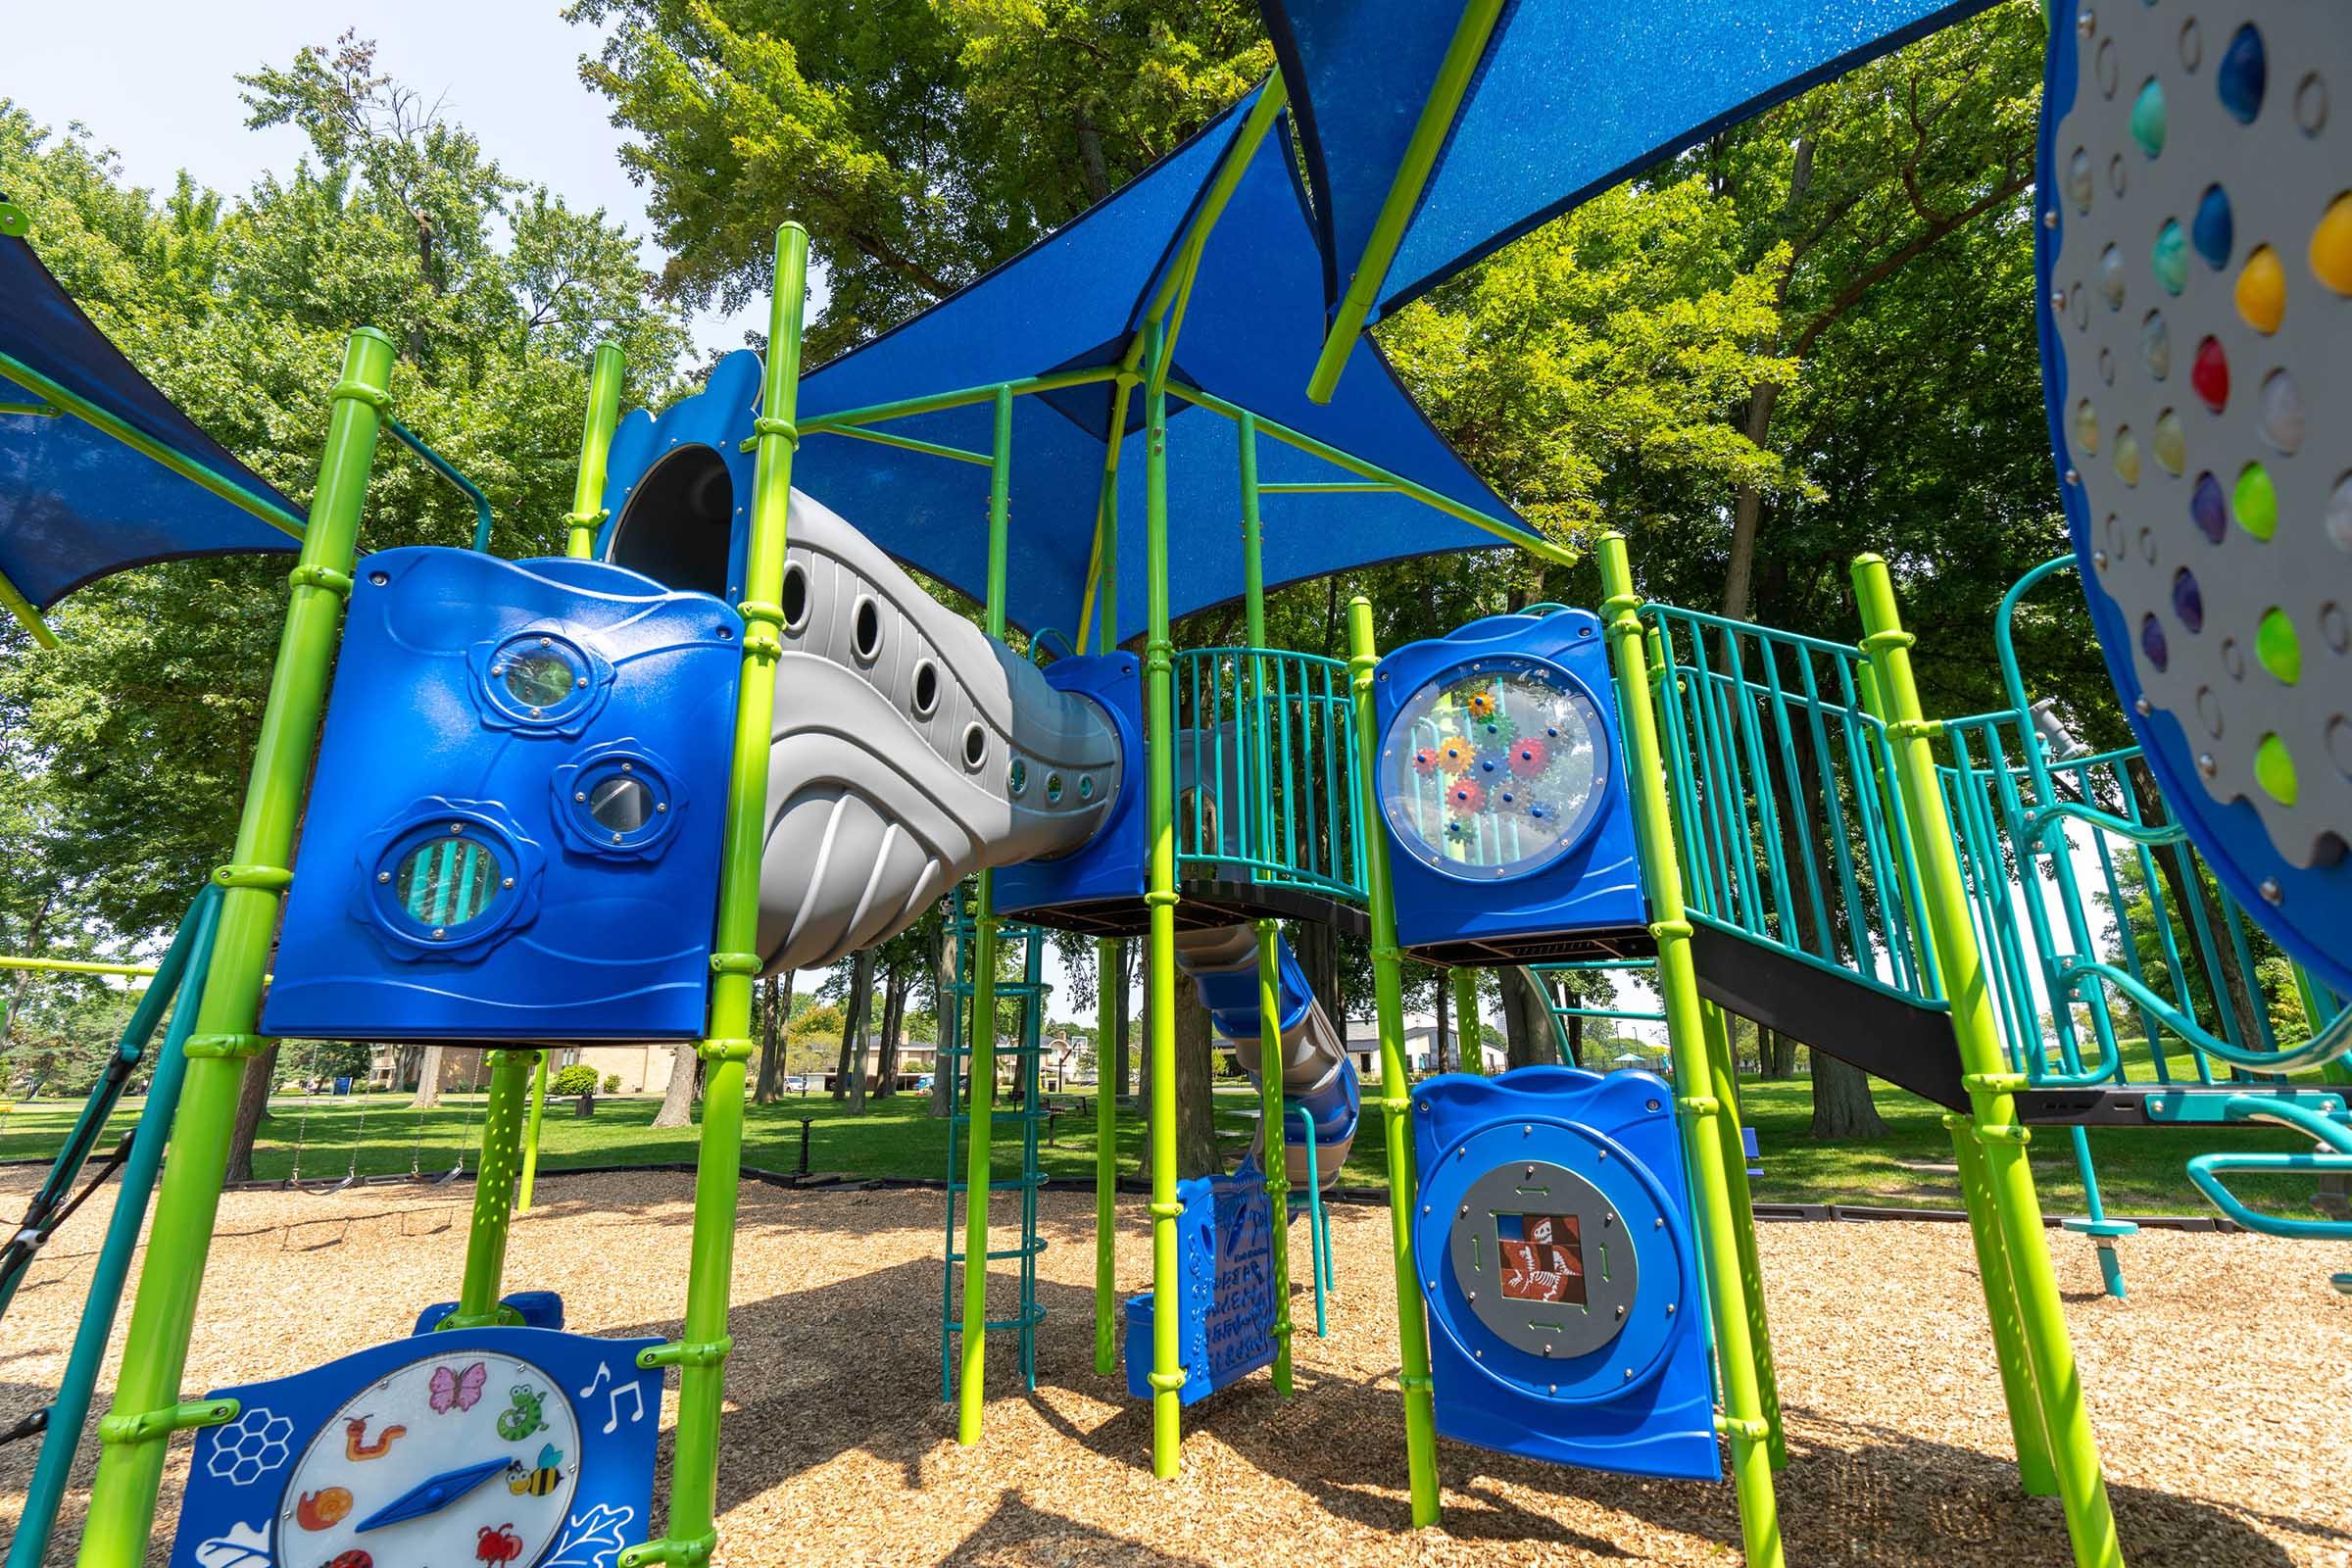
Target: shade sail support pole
1462, 54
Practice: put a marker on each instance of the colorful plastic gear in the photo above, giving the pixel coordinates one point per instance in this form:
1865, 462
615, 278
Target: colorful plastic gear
1455, 753
1481, 704
1466, 797
1425, 759
1529, 758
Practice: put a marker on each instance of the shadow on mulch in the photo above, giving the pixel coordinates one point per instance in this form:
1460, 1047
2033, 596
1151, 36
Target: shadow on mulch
854, 1382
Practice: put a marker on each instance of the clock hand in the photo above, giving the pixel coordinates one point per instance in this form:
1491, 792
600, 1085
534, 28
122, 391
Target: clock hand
431, 1494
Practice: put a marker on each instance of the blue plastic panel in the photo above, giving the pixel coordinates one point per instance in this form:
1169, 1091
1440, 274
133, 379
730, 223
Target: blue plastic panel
1109, 866
1225, 1240
1628, 1393
514, 832
287, 1482
1589, 881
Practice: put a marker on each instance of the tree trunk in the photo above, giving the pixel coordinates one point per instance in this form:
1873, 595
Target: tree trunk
855, 1033
429, 1080
893, 1013
253, 1104
1842, 1109
1196, 1096
1526, 1021
1436, 1048
1122, 1064
775, 994
1776, 1053
678, 1099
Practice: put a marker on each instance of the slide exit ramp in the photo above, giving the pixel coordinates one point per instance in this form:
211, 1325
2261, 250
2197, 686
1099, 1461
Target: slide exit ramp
1318, 1080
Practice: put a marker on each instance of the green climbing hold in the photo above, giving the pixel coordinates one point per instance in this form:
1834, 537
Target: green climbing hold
2277, 647
2147, 118
2274, 769
2254, 502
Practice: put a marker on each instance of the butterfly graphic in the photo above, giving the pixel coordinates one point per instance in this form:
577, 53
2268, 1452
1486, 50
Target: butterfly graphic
454, 1390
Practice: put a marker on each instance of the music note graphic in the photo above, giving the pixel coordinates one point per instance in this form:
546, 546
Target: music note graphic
636, 1402
604, 1375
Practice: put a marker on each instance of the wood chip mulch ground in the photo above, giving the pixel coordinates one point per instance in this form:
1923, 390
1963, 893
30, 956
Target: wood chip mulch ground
2221, 1390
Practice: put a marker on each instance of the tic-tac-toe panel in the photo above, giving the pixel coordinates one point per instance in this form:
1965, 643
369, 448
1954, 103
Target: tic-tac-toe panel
2196, 316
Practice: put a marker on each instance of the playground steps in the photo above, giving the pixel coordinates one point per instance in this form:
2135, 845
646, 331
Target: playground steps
1907, 1045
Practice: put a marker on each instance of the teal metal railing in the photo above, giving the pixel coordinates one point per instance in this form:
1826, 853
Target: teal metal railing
1266, 770
1782, 783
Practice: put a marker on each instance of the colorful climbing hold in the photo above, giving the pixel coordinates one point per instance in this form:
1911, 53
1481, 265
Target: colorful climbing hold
2147, 118
2277, 647
2207, 509
2339, 513
2079, 181
2331, 245
2126, 456
2087, 429
2242, 74
2212, 230
2274, 769
2156, 345
2282, 412
2209, 375
2261, 290
2254, 502
2153, 644
2189, 600
2111, 277
2169, 259
2171, 444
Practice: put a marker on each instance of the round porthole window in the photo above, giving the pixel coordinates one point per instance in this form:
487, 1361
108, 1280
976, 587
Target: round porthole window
615, 801
540, 678
1494, 770
444, 883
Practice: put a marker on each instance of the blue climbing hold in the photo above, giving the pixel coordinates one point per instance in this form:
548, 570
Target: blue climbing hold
2211, 231
2242, 74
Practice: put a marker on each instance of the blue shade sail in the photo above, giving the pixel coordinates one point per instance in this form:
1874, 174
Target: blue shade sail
1249, 336
75, 502
1571, 97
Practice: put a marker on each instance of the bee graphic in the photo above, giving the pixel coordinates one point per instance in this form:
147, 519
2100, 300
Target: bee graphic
538, 1481
525, 1418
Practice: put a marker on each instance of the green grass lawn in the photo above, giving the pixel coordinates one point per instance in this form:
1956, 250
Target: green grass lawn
2141, 1170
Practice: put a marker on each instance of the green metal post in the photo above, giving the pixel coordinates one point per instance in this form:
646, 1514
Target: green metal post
13, 600
1724, 1085
596, 444
1395, 1097
2029, 1424
530, 1136
133, 1438
701, 1350
1991, 1086
1103, 587
1471, 1045
970, 1385
1744, 1418
494, 1195
1159, 897
1456, 70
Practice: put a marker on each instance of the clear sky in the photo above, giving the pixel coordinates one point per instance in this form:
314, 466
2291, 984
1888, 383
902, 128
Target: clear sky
157, 82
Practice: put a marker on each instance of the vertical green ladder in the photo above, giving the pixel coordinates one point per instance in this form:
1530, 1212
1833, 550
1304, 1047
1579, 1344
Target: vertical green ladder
959, 1031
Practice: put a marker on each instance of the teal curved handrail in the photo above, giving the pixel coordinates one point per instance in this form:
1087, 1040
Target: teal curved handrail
2323, 1048
448, 472
2336, 1159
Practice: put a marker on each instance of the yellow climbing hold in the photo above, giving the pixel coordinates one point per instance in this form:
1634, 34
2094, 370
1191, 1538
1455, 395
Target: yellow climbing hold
2261, 290
2274, 769
2277, 647
2331, 245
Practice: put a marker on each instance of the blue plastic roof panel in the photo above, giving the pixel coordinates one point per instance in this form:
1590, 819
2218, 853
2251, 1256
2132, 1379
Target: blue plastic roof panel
1571, 97
75, 502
